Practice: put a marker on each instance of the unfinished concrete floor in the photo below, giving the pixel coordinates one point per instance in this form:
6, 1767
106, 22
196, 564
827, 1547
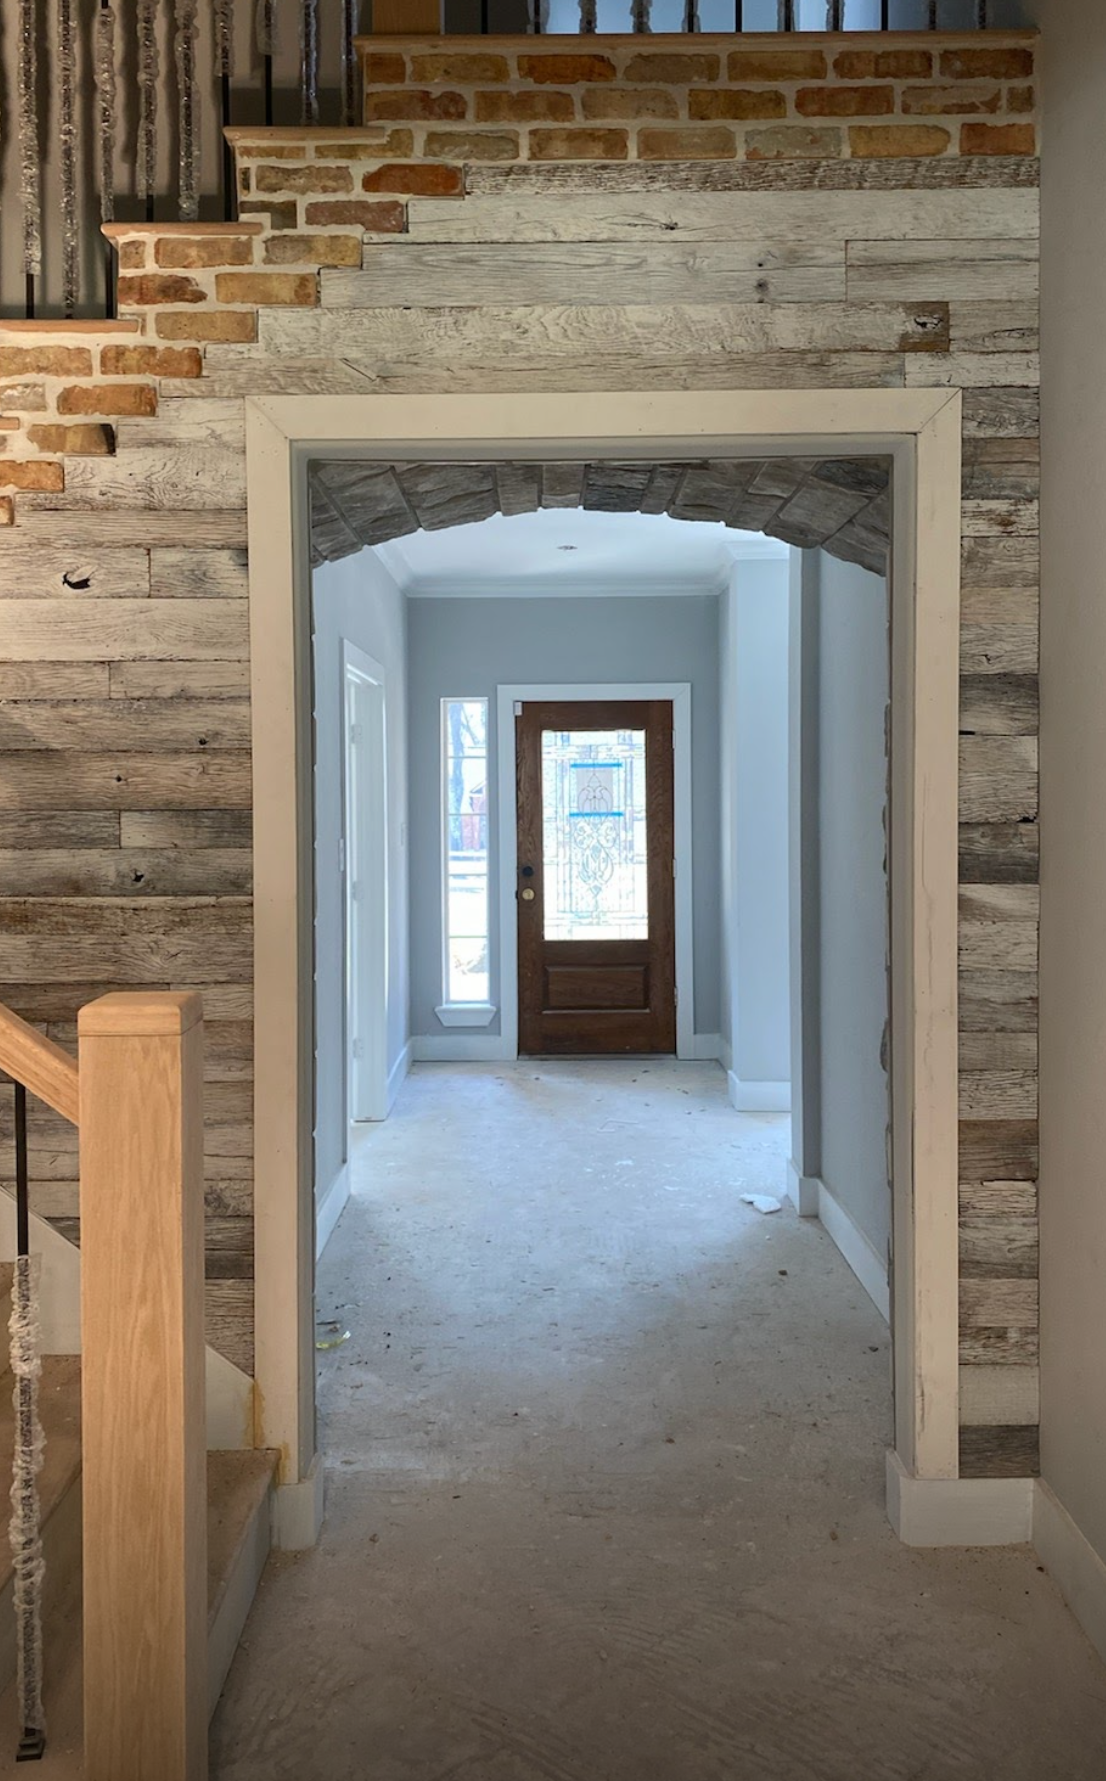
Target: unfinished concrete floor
605, 1480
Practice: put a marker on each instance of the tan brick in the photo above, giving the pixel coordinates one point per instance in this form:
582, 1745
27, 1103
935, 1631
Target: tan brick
384, 69
998, 139
1021, 99
145, 289
672, 70
709, 144
32, 473
204, 250
777, 64
998, 63
10, 423
426, 179
108, 398
474, 145
627, 102
556, 70
132, 255
313, 250
298, 288
214, 324
949, 101
388, 217
528, 108
281, 212
579, 145
876, 142
883, 64
845, 101
417, 103
46, 361
25, 398
736, 102
793, 142
381, 145
155, 361
468, 69
317, 178
85, 441
7, 511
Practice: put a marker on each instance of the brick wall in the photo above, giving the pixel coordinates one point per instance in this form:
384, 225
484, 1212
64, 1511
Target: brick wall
523, 216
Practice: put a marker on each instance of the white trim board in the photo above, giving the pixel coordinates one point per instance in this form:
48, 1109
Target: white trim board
920, 430
461, 1048
332, 1203
958, 1511
758, 1097
398, 1074
856, 1247
507, 822
1072, 1562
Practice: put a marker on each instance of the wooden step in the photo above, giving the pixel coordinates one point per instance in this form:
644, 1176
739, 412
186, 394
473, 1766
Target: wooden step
239, 1495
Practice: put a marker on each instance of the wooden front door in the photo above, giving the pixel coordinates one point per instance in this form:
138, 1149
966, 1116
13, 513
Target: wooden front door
596, 869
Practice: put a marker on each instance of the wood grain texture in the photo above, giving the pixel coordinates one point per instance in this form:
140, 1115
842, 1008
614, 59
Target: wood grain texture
44, 1069
1002, 1452
524, 179
942, 270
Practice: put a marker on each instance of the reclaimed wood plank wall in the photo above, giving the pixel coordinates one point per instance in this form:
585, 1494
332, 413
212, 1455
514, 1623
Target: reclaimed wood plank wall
517, 215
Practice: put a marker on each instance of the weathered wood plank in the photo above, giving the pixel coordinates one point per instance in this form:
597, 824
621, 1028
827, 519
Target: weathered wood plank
1002, 1001
996, 327
141, 725
63, 829
218, 423
228, 1248
1002, 469
39, 573
998, 1248
526, 178
188, 830
167, 477
996, 1303
997, 927
201, 958
998, 1051
120, 630
1008, 1452
998, 1094
82, 529
947, 271
54, 680
118, 781
872, 215
987, 519
999, 1199
657, 272
999, 853
1010, 1347
1006, 413
991, 1397
179, 680
507, 335
991, 562
124, 872
199, 574
998, 778
966, 370
999, 1149
228, 1320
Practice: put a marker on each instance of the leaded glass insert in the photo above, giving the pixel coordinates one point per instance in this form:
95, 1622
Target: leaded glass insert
594, 835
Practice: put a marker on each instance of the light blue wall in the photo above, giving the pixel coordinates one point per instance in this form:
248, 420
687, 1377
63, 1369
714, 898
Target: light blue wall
472, 646
355, 599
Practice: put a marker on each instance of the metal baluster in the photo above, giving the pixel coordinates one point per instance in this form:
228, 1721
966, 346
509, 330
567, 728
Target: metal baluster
224, 63
932, 20
639, 15
266, 26
691, 15
26, 1548
787, 15
105, 138
835, 15
485, 23
739, 15
30, 151
982, 15
885, 15
588, 21
309, 61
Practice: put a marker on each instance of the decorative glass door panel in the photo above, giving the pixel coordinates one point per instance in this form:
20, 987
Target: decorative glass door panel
596, 917
594, 835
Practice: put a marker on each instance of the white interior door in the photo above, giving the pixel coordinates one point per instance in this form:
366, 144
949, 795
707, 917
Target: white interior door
366, 885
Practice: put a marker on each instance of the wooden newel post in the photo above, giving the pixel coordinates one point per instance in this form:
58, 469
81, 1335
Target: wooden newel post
142, 1286
408, 18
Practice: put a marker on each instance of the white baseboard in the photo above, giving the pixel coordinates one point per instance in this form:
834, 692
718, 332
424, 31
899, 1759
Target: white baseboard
863, 1258
802, 1191
398, 1074
759, 1097
1073, 1564
959, 1511
298, 1511
331, 1205
461, 1048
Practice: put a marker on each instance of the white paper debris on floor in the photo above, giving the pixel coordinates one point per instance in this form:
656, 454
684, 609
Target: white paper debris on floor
763, 1202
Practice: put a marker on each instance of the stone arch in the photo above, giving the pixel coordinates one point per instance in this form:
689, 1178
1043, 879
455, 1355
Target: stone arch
842, 505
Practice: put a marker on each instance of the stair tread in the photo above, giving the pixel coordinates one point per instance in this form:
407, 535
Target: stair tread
236, 1486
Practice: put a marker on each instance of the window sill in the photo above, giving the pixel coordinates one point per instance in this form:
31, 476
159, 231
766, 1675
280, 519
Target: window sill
467, 1014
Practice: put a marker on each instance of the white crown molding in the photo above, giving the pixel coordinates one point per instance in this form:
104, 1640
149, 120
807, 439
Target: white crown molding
558, 587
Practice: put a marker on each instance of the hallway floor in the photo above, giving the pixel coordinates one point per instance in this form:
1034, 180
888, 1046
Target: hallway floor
605, 1479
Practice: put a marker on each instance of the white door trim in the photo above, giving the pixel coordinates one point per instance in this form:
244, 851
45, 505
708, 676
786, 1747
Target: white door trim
364, 827
507, 822
921, 430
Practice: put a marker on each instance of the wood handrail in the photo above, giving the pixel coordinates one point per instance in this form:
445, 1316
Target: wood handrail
42, 1067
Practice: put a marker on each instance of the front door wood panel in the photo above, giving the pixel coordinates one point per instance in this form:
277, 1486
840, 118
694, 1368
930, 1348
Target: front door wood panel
595, 995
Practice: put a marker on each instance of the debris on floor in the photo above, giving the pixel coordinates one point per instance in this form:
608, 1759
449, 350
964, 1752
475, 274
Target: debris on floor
763, 1202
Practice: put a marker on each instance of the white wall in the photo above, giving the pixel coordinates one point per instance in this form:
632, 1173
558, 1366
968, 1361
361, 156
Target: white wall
840, 672
1073, 769
470, 647
753, 659
355, 599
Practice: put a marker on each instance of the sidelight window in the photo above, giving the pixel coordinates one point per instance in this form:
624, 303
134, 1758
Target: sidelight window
465, 972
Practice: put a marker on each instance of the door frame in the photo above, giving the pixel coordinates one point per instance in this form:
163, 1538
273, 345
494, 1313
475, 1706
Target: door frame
365, 866
920, 429
679, 691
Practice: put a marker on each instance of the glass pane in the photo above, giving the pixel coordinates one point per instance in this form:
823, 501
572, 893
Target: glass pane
466, 822
593, 831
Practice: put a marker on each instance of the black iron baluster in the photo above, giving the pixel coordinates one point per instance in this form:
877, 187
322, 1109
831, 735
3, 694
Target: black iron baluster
32, 1742
835, 15
22, 1175
885, 15
787, 15
932, 22
485, 22
739, 15
691, 15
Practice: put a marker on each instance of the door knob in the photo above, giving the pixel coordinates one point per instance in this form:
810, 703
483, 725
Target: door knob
528, 895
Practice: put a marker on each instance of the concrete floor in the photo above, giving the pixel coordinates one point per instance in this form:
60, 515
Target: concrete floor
605, 1472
